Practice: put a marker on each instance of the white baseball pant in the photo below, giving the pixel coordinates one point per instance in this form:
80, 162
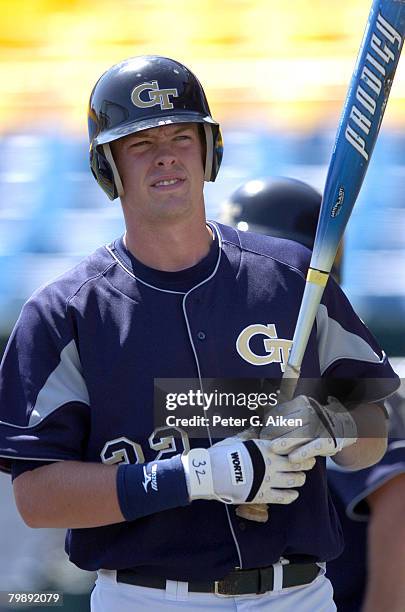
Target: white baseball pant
108, 594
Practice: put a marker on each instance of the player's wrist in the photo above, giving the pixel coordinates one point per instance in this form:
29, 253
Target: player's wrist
344, 426
198, 472
147, 488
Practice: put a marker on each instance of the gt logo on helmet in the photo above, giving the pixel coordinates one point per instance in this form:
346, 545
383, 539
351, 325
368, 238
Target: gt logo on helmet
156, 96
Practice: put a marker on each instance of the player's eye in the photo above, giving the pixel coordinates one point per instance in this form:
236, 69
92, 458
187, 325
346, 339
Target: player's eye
139, 143
183, 138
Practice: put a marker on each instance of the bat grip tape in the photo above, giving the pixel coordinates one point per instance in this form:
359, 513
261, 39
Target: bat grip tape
317, 277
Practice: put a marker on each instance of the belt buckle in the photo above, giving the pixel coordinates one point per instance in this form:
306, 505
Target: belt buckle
244, 582
216, 589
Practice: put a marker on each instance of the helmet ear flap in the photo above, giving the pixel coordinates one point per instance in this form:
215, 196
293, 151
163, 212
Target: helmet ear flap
102, 172
214, 151
117, 179
218, 151
209, 150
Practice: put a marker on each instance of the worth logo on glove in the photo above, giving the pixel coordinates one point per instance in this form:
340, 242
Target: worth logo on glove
277, 349
237, 469
156, 96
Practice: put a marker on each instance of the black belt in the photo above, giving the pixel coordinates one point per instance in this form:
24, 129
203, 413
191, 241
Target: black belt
238, 582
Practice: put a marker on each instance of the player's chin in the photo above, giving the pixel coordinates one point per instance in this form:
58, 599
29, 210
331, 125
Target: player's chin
173, 207
176, 198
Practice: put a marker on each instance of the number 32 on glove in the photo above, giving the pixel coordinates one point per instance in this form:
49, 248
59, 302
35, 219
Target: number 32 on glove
236, 472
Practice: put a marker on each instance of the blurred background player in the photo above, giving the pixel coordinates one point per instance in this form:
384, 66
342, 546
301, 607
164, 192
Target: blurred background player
368, 576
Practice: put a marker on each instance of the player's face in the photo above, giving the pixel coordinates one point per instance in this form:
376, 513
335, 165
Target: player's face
162, 171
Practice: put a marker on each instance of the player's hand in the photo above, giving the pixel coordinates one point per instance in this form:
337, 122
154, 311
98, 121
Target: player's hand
237, 472
325, 429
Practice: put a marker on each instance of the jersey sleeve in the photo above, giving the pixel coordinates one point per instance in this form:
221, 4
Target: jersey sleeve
44, 403
352, 488
20, 466
348, 350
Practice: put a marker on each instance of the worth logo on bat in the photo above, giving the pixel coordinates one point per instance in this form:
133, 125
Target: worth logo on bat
153, 96
275, 349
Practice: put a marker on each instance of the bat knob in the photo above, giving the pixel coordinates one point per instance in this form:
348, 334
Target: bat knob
253, 512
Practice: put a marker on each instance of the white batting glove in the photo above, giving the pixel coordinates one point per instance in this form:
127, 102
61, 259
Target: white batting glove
236, 472
325, 430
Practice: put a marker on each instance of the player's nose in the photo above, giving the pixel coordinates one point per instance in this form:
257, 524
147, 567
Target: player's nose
165, 156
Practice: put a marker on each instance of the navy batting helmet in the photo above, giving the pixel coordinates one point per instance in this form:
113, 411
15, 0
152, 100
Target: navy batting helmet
141, 93
281, 207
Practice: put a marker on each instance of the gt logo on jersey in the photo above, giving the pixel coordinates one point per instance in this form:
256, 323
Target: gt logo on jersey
157, 97
276, 349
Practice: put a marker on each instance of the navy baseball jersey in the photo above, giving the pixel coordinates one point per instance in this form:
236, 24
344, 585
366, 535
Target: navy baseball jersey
348, 573
77, 384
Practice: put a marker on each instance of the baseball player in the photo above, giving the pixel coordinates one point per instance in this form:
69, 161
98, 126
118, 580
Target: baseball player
153, 511
368, 575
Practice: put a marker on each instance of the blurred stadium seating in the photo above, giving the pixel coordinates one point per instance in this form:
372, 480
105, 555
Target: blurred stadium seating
52, 214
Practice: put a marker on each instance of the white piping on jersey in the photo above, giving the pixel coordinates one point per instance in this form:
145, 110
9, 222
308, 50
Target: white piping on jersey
335, 342
397, 469
199, 372
185, 312
186, 294
40, 459
397, 444
65, 384
128, 271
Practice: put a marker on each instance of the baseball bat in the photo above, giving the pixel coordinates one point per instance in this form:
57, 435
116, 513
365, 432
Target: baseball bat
355, 139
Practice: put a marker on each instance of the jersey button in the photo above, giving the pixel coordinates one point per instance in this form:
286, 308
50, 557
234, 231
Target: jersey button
201, 335
242, 526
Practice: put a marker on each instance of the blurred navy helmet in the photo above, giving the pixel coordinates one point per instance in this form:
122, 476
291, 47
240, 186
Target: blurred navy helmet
281, 207
141, 93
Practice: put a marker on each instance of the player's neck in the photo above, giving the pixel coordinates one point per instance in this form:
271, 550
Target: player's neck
170, 248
